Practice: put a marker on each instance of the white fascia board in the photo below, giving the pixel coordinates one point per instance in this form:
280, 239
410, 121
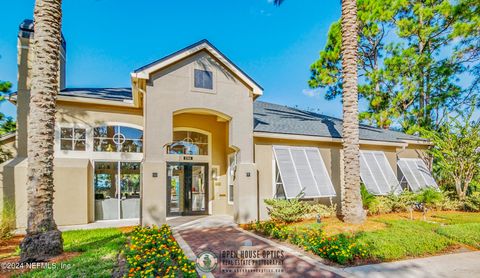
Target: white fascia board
96, 101
418, 142
383, 143
139, 75
295, 137
323, 139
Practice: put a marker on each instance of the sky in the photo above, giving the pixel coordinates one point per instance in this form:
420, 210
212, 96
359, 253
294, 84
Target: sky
108, 39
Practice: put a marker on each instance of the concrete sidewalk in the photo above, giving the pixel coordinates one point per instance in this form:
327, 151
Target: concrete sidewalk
453, 265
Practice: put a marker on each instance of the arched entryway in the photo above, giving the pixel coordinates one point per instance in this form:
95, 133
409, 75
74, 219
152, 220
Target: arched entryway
197, 164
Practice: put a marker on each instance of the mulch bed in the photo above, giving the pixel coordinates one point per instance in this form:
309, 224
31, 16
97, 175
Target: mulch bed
8, 259
8, 246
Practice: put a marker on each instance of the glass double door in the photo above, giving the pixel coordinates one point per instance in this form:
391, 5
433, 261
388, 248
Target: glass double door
187, 189
117, 190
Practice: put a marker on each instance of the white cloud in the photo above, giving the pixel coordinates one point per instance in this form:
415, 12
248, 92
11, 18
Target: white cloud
265, 13
311, 92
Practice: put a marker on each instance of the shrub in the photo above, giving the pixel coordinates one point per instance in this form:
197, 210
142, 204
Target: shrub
367, 198
472, 202
402, 202
429, 197
380, 205
286, 211
375, 204
7, 224
341, 249
316, 209
154, 252
448, 202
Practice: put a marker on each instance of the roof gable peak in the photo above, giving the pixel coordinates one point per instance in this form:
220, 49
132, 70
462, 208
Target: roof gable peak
202, 45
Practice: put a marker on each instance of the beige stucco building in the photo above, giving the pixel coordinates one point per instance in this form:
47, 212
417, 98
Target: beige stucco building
192, 137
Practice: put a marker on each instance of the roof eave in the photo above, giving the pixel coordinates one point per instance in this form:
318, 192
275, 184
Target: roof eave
96, 101
300, 137
418, 142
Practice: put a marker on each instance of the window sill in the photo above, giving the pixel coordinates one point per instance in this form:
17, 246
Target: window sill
205, 91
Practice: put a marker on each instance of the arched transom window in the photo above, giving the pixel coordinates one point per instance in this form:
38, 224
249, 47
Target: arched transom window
116, 138
189, 143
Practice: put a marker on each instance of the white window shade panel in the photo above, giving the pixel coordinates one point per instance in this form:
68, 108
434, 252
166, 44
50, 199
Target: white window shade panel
305, 173
377, 174
392, 183
367, 176
416, 173
291, 184
302, 170
408, 168
320, 173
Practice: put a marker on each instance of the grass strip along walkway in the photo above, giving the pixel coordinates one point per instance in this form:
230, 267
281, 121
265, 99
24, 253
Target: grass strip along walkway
144, 252
382, 238
98, 250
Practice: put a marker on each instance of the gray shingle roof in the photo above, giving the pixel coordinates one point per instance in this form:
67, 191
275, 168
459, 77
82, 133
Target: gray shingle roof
274, 118
269, 117
116, 94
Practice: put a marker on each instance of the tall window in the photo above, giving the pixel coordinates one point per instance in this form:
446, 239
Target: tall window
117, 190
203, 79
232, 165
188, 142
72, 139
117, 139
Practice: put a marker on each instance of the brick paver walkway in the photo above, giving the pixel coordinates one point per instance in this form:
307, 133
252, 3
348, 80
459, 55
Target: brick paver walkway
221, 239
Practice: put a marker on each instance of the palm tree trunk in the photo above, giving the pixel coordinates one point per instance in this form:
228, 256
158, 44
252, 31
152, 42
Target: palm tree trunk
352, 209
43, 239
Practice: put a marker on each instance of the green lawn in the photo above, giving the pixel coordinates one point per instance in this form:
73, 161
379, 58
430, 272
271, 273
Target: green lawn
404, 238
394, 236
457, 218
415, 238
467, 233
99, 249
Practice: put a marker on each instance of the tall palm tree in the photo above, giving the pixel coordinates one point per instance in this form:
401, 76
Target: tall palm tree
43, 239
351, 209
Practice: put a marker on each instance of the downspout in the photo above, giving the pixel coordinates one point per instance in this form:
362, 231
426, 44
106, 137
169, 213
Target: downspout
258, 195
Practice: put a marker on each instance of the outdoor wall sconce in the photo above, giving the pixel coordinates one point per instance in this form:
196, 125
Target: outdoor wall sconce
215, 170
